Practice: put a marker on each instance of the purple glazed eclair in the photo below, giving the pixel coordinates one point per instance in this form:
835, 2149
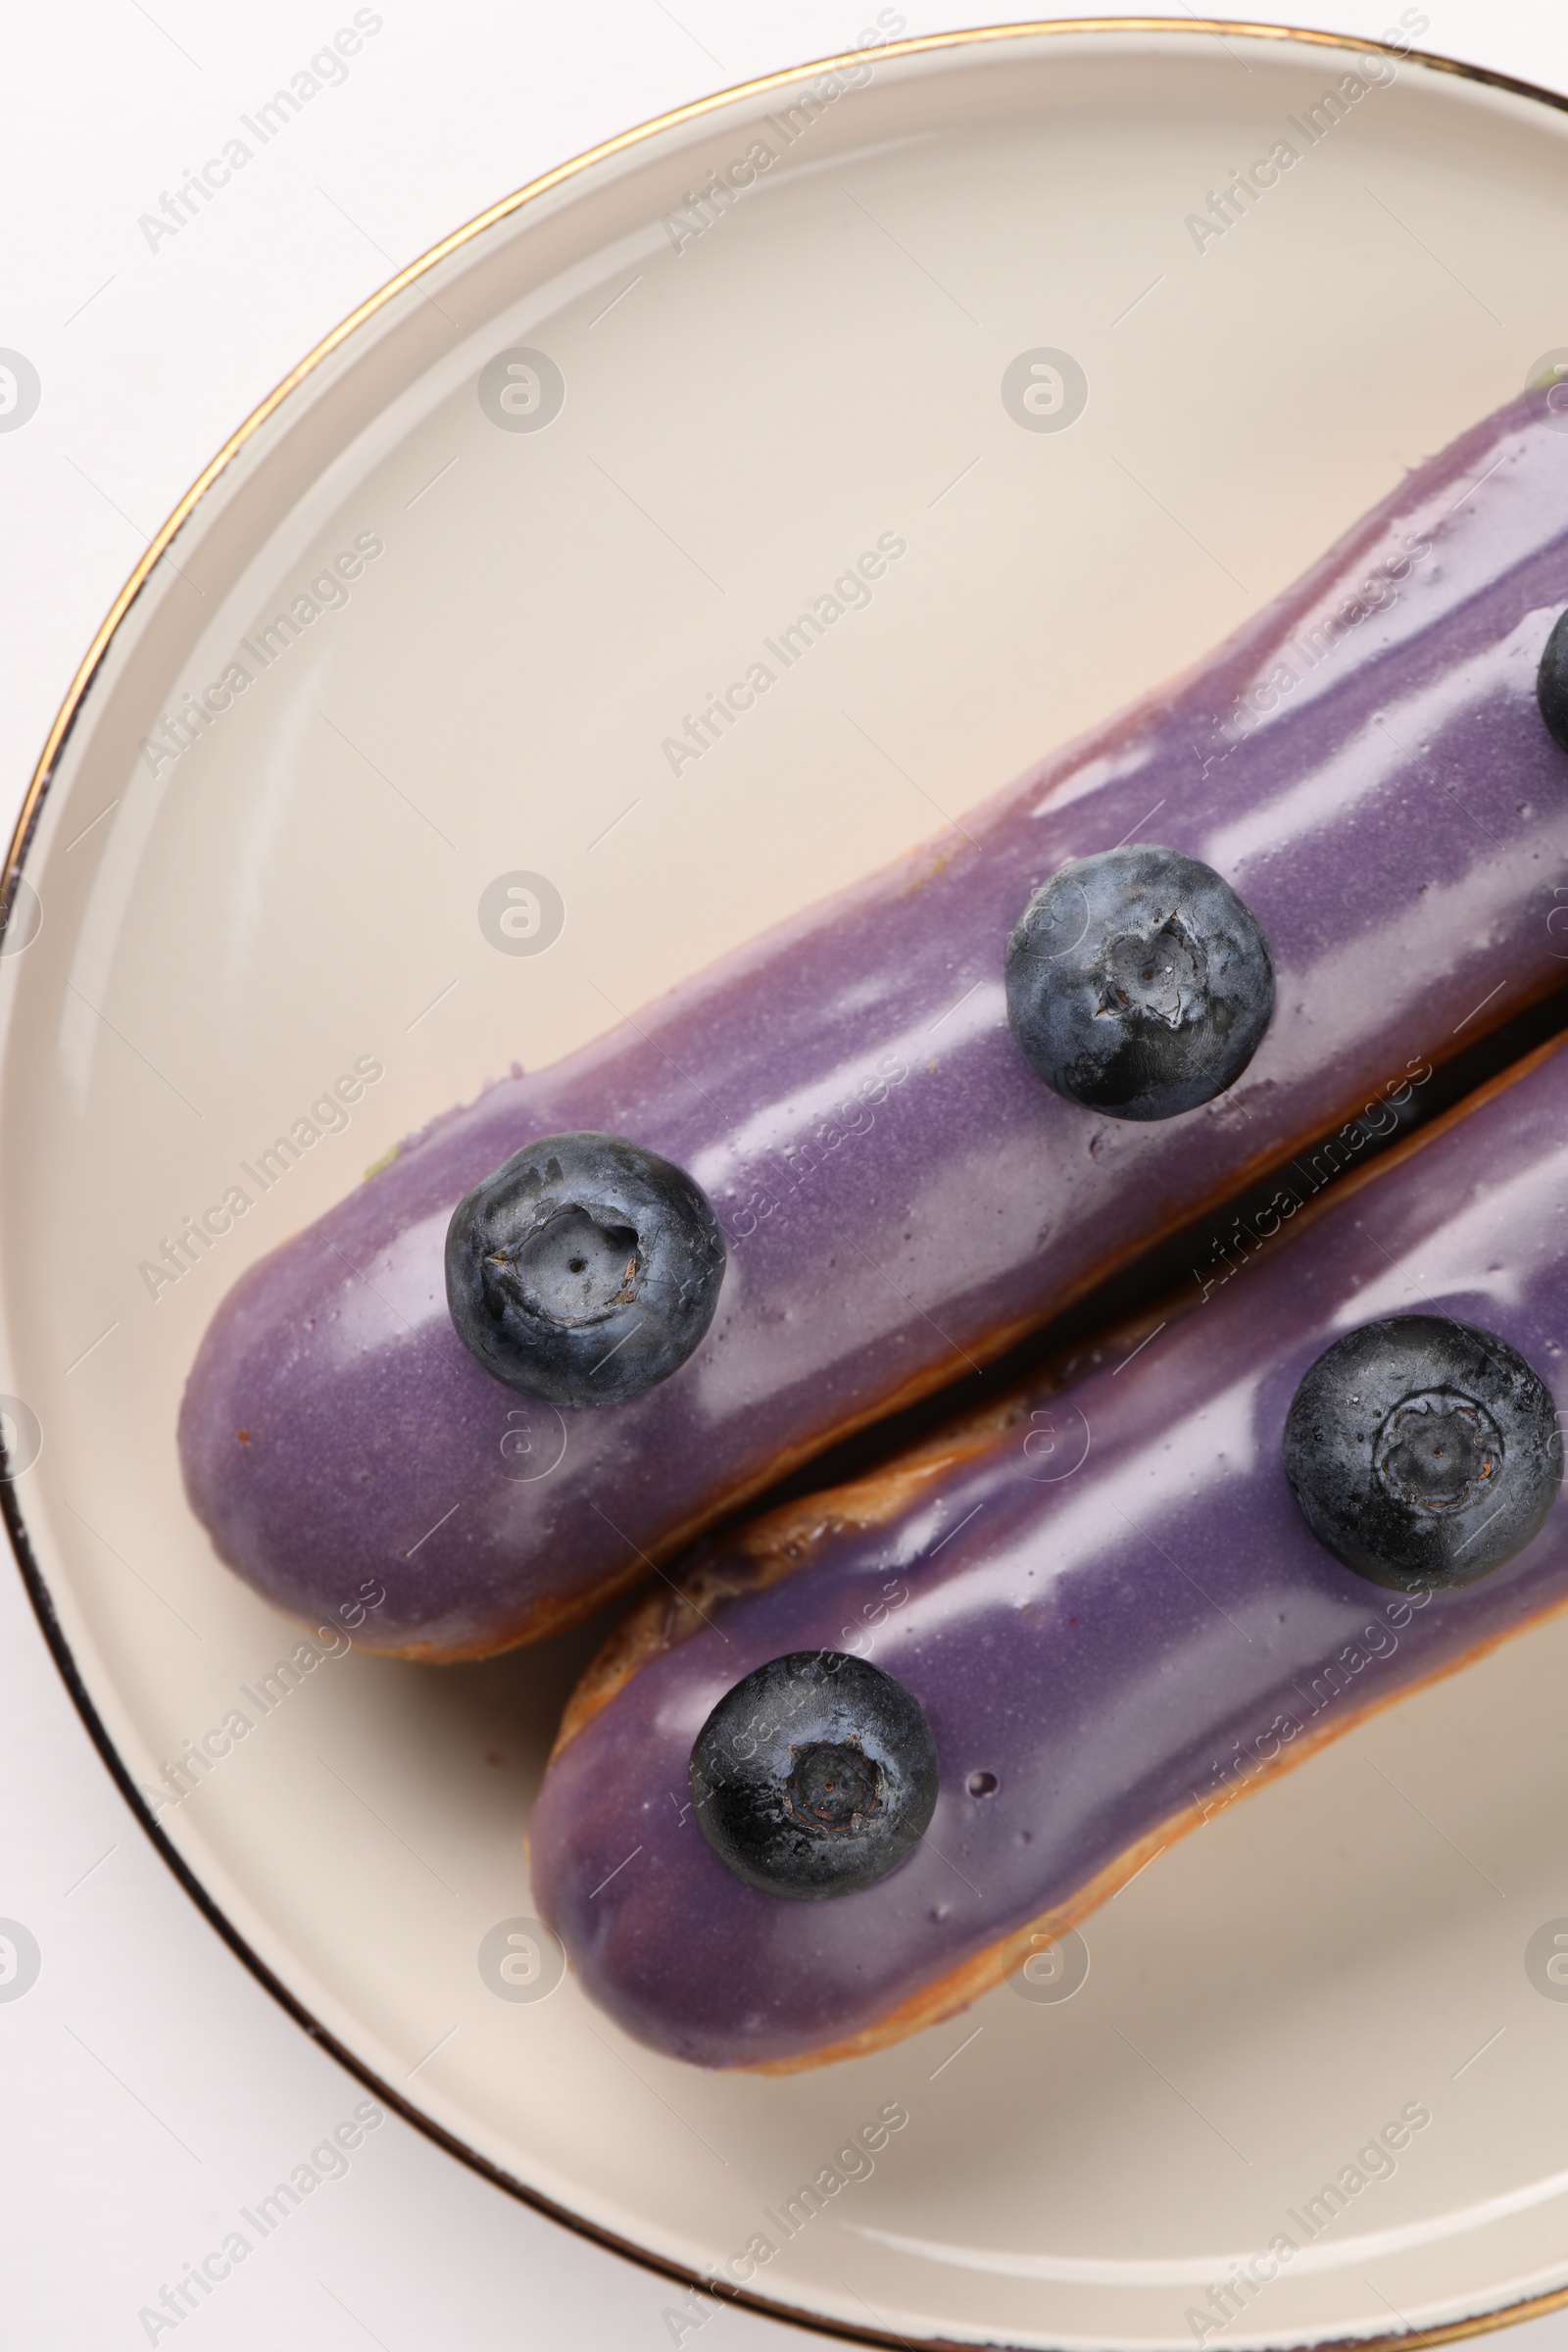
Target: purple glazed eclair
1104, 1598
902, 1197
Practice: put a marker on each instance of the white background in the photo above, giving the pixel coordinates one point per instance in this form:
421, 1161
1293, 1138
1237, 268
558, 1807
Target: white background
148, 2085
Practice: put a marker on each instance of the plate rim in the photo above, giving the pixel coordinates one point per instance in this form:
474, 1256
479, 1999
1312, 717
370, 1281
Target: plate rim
21, 840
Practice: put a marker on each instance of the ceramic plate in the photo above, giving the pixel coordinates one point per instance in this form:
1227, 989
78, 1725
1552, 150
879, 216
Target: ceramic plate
438, 624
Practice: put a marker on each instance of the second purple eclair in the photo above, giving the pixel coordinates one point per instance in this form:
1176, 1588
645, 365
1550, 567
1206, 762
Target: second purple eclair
895, 1737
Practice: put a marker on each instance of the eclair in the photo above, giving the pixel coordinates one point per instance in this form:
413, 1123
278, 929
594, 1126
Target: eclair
915, 1121
887, 1742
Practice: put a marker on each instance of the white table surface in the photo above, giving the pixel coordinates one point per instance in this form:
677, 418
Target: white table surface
148, 2085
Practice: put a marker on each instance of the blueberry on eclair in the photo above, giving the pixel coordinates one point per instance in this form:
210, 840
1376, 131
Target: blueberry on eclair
815, 1775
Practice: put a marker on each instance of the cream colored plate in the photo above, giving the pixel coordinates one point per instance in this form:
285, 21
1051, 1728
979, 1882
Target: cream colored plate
544, 599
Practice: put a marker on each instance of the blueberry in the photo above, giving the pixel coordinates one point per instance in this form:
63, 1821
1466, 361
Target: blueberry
583, 1269
1138, 983
815, 1775
1551, 682
1423, 1452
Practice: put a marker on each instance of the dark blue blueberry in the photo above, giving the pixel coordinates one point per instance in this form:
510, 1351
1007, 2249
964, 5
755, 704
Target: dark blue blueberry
1138, 983
584, 1269
815, 1775
1423, 1452
1551, 682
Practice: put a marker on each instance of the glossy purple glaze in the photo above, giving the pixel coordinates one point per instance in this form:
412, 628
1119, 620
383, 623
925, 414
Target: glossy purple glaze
900, 1195
1108, 1639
